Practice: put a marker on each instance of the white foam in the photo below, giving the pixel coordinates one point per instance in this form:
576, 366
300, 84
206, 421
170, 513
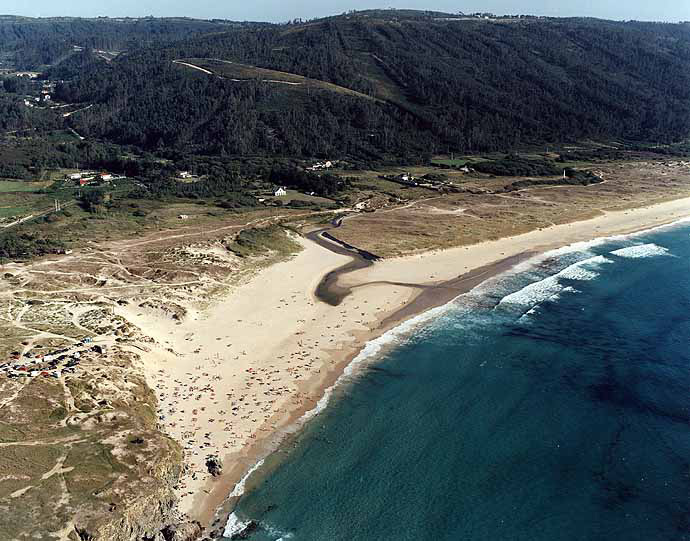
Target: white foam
584, 246
234, 525
275, 532
239, 487
550, 287
535, 292
370, 350
574, 248
641, 250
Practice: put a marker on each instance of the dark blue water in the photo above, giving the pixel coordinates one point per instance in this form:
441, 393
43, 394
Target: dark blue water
552, 404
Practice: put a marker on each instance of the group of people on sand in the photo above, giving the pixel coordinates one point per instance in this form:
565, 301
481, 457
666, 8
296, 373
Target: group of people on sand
194, 412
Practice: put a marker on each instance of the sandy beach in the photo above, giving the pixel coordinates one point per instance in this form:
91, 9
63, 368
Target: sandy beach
230, 379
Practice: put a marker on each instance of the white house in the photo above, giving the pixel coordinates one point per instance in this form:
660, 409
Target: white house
320, 165
280, 191
185, 174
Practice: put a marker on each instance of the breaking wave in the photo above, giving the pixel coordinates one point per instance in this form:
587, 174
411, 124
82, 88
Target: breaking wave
234, 526
551, 286
641, 250
239, 487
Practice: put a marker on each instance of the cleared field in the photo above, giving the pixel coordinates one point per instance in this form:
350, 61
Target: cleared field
9, 186
243, 72
293, 195
6, 212
456, 162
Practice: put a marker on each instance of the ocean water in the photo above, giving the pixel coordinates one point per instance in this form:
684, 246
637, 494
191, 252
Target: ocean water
552, 403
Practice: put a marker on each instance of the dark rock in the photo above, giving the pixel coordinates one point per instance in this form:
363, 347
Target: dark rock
214, 465
188, 531
83, 534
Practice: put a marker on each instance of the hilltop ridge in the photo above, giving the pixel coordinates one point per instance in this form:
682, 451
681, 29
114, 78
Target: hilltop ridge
442, 85
385, 84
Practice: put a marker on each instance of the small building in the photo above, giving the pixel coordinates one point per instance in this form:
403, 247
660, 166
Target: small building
320, 165
185, 174
183, 217
106, 177
74, 176
280, 192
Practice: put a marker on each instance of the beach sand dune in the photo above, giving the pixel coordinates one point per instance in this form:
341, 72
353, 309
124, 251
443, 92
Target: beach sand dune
237, 371
230, 378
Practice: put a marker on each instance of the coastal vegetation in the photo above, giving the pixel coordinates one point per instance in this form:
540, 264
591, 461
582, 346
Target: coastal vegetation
221, 142
20, 246
254, 242
518, 166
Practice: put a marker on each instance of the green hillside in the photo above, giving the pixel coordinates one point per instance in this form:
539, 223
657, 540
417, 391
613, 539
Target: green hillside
392, 83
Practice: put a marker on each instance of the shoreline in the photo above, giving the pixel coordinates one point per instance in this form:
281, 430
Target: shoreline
423, 303
397, 280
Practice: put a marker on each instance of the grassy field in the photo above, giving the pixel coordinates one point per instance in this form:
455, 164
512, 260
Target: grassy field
455, 162
96, 479
243, 72
294, 195
9, 186
6, 212
483, 211
461, 161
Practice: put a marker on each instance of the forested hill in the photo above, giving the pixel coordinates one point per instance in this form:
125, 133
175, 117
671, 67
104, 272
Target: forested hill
31, 43
441, 83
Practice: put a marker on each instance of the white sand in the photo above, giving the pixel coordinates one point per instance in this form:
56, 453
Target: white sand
262, 355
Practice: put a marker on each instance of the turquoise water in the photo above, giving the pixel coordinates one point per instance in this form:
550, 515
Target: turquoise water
552, 403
